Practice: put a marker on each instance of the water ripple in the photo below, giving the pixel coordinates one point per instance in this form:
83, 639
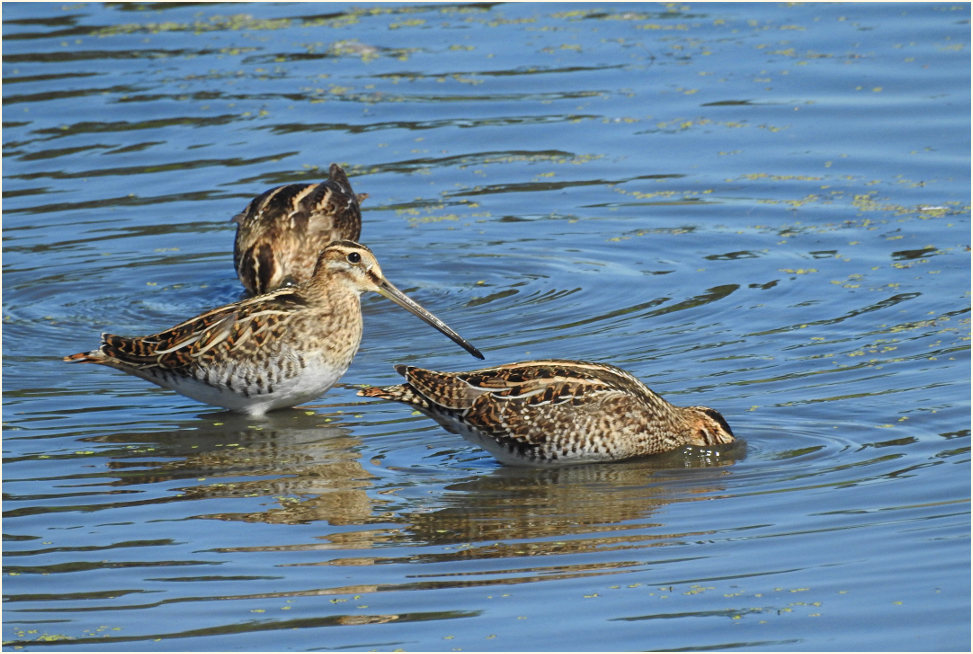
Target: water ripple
724, 201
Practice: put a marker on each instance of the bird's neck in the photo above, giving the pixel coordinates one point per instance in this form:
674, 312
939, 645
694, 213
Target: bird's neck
331, 290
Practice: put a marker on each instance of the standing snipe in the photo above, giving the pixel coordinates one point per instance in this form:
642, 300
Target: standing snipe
271, 351
281, 232
555, 412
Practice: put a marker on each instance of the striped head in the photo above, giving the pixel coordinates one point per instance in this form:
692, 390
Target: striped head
708, 427
348, 262
354, 264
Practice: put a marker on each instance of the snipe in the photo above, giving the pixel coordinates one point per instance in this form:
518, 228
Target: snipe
281, 231
555, 412
271, 351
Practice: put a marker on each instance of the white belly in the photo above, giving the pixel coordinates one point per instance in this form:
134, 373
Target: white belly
242, 395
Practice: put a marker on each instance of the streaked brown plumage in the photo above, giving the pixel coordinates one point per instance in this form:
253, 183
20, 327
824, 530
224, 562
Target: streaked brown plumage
555, 412
281, 231
271, 351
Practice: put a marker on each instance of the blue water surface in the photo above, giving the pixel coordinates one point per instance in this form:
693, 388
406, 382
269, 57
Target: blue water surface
763, 208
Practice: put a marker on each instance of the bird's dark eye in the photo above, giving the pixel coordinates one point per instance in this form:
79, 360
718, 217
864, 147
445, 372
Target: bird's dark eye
354, 257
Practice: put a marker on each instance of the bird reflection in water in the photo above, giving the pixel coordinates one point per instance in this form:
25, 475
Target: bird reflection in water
308, 463
312, 471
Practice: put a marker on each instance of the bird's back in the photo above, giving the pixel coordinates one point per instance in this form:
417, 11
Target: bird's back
281, 232
552, 381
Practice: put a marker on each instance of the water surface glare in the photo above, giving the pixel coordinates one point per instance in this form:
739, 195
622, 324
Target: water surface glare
760, 208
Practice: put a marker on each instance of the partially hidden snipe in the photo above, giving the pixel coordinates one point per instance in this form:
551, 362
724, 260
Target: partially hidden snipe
555, 412
281, 231
271, 351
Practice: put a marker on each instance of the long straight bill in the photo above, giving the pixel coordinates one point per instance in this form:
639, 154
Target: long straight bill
386, 289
